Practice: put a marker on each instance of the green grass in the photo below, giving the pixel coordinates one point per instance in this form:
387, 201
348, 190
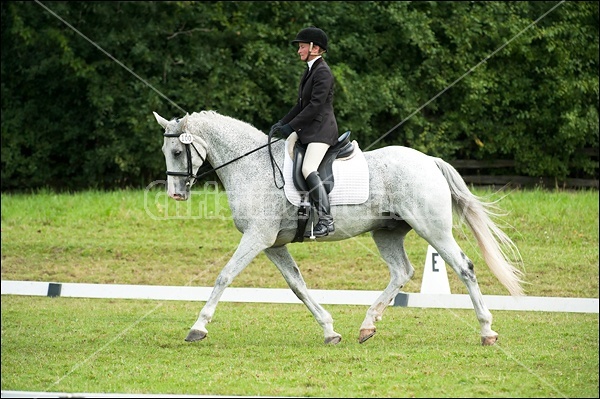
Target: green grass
131, 346
116, 237
101, 345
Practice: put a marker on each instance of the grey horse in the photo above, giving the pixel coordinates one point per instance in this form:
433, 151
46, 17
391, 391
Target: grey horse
408, 190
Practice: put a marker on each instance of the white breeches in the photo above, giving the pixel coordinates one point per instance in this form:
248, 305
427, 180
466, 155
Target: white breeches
313, 157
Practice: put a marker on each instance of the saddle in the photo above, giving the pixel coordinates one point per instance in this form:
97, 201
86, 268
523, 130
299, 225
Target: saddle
343, 148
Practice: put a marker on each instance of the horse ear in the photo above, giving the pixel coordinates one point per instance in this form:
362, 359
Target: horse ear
161, 121
183, 122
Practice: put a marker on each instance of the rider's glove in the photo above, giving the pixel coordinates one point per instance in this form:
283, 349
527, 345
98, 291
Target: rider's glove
286, 130
275, 128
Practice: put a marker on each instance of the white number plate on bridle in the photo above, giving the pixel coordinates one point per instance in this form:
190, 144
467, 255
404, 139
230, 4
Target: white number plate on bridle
186, 138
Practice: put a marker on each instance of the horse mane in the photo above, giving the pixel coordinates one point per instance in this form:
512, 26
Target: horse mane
227, 123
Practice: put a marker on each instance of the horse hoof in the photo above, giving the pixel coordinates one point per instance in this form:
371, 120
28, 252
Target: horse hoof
195, 335
488, 341
365, 334
336, 339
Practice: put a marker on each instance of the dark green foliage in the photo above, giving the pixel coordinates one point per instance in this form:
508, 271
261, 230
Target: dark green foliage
460, 80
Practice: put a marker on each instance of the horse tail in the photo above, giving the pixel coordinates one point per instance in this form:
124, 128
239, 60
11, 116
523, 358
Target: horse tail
495, 245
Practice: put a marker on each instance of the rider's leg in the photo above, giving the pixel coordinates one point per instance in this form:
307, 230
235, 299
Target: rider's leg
312, 159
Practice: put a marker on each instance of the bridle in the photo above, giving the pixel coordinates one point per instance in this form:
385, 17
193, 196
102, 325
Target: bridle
188, 140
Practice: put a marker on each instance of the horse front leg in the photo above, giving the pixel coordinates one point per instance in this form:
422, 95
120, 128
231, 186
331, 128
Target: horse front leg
247, 250
281, 257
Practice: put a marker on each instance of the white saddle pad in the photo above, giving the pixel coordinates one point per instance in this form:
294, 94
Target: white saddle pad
350, 175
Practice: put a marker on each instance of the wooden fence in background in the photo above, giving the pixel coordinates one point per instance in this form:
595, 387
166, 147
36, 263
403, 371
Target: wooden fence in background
467, 167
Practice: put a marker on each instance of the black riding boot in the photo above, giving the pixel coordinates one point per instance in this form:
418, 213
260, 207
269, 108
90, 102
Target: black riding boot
319, 197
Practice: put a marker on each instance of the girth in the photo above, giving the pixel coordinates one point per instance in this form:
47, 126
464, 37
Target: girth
341, 149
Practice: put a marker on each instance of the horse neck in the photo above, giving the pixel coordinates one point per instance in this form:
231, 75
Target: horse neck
229, 140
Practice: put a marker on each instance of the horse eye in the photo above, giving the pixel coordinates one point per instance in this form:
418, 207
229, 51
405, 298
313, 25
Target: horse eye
177, 153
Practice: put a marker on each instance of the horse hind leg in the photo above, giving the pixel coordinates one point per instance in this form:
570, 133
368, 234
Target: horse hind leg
463, 267
390, 244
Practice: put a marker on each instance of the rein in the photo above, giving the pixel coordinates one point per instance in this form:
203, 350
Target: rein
273, 163
187, 139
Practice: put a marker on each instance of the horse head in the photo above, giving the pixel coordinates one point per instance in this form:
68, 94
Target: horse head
184, 154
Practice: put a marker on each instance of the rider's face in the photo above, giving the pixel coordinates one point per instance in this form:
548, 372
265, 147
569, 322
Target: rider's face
307, 53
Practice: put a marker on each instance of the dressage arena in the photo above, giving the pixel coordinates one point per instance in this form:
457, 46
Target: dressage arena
273, 295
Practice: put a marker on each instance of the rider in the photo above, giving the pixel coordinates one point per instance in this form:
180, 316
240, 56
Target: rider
313, 121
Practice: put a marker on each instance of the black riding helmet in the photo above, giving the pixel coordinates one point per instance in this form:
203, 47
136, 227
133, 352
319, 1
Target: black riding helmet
314, 35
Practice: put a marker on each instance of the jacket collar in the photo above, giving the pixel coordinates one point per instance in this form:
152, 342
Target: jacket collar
313, 62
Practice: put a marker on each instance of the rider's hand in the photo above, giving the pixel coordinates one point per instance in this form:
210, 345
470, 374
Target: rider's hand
275, 128
286, 130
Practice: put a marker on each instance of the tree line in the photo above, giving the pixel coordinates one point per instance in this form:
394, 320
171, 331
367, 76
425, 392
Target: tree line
458, 80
